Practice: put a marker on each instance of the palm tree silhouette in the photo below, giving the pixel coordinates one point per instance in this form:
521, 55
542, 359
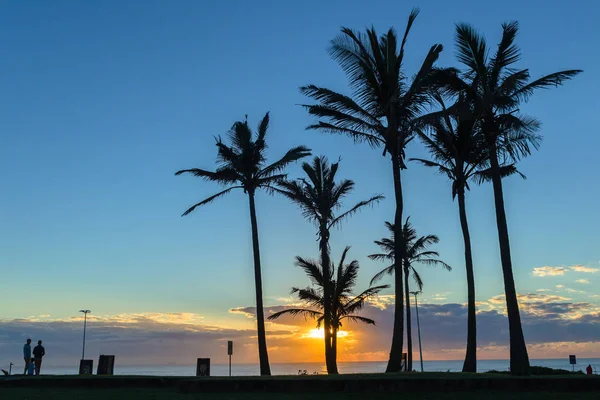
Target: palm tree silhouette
458, 150
344, 305
415, 250
383, 112
242, 165
319, 197
495, 90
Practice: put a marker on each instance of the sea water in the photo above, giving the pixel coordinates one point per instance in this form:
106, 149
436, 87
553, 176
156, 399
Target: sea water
319, 368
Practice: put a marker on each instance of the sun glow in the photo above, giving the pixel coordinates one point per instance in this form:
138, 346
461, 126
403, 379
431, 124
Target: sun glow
320, 334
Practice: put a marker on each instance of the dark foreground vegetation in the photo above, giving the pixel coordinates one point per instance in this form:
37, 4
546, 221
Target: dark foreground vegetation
352, 386
167, 394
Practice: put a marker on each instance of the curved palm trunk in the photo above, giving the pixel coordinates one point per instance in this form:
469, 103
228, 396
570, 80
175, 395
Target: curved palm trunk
519, 360
409, 358
470, 364
395, 361
263, 355
330, 361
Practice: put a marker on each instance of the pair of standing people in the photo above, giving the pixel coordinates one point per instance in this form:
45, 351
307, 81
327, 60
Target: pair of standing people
36, 362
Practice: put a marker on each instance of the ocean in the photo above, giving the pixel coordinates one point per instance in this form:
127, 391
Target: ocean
319, 368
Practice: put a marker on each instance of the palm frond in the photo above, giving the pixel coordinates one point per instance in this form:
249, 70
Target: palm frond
355, 209
414, 13
358, 302
210, 199
222, 175
417, 279
357, 318
312, 269
389, 271
381, 256
340, 103
358, 136
263, 126
435, 263
346, 278
294, 312
485, 175
471, 50
290, 156
545, 82
418, 95
310, 296
518, 135
507, 54
441, 168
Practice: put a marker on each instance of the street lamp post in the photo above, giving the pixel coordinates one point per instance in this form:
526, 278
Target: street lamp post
85, 313
418, 328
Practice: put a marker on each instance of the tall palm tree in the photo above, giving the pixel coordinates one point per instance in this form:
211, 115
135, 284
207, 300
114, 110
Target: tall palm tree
242, 165
496, 89
416, 250
319, 197
458, 150
383, 111
343, 304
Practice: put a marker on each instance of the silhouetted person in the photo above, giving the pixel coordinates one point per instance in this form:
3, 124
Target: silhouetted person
38, 353
27, 355
588, 370
31, 369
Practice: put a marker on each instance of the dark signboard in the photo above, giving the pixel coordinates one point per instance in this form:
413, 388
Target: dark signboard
203, 367
86, 367
106, 365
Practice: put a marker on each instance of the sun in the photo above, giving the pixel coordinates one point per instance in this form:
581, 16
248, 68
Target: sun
320, 334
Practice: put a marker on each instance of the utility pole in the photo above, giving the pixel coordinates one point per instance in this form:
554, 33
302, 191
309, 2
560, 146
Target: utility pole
230, 353
418, 328
85, 313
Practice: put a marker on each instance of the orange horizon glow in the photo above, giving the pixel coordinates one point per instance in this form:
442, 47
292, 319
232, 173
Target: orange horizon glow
320, 334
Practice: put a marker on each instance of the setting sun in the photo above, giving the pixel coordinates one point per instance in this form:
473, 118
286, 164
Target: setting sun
319, 334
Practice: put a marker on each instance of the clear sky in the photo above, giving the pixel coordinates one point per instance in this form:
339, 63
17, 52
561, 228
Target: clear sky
101, 102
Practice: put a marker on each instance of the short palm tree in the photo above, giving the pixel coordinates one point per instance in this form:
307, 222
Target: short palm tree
495, 90
458, 151
320, 197
383, 111
416, 250
344, 305
242, 165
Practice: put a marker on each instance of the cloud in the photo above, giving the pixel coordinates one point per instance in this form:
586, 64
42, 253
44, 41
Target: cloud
560, 270
549, 271
583, 269
582, 281
552, 324
542, 290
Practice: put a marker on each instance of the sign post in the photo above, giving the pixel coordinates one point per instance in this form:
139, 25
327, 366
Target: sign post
573, 361
230, 353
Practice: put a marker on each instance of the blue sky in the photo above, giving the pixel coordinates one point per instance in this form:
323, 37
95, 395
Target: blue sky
101, 102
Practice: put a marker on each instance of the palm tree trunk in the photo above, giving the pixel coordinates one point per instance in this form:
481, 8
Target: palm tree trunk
519, 360
263, 355
470, 364
395, 361
334, 348
409, 358
326, 264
